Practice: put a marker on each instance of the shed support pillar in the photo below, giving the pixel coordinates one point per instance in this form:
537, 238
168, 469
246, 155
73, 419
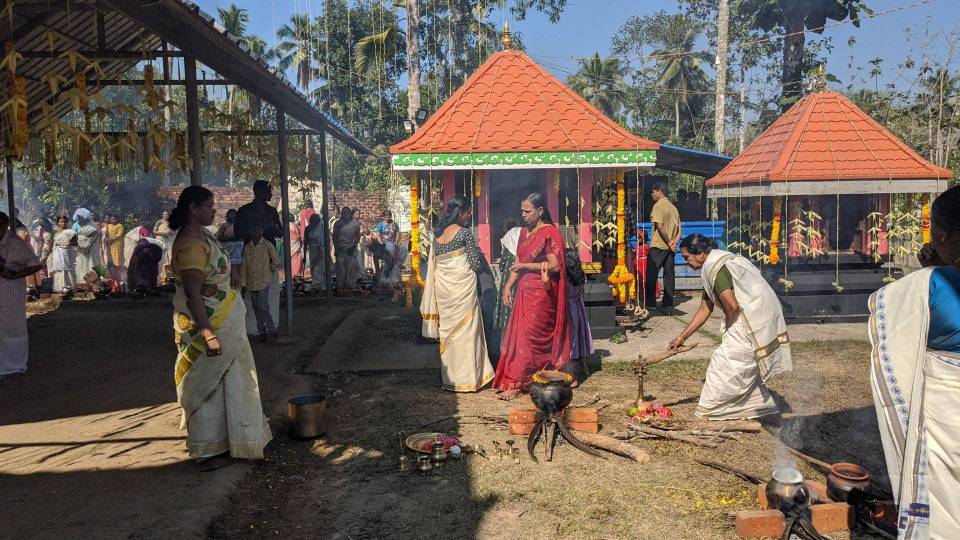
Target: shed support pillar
285, 216
325, 215
193, 120
11, 207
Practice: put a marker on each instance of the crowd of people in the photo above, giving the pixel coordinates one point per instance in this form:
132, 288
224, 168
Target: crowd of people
538, 321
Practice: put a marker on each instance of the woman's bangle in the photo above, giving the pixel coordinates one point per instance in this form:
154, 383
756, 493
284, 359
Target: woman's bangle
211, 338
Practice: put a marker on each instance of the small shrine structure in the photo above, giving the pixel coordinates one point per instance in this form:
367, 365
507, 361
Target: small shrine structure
513, 129
829, 203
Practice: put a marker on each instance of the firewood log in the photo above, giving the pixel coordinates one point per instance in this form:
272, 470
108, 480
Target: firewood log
612, 445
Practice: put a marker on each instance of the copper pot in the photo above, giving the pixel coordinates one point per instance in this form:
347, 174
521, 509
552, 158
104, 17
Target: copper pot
307, 415
847, 482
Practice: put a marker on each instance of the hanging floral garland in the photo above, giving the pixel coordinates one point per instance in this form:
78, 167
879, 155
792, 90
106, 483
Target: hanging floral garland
622, 283
925, 218
415, 279
775, 231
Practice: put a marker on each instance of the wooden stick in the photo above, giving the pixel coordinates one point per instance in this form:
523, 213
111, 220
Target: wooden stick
877, 488
743, 426
732, 470
660, 357
671, 435
612, 445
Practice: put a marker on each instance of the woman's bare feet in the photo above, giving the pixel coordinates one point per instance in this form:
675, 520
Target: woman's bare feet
508, 395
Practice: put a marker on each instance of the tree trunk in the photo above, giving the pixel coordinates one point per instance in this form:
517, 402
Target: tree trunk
231, 91
413, 61
742, 135
719, 124
793, 46
676, 118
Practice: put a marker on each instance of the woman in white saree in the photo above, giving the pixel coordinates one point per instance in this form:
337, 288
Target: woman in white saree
215, 374
914, 330
451, 307
754, 346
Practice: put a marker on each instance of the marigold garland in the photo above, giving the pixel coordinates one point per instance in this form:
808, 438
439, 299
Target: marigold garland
415, 279
925, 218
622, 283
775, 231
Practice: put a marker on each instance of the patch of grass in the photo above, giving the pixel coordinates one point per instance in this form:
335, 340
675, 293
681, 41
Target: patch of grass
833, 346
681, 367
712, 335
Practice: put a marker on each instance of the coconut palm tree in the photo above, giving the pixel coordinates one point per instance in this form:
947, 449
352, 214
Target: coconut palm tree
371, 52
296, 50
679, 67
234, 20
600, 81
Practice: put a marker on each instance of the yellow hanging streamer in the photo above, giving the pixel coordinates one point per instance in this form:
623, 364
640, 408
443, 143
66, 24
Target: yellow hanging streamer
775, 231
925, 218
622, 283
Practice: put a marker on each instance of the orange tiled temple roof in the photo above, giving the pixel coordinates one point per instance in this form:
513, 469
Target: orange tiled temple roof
511, 104
826, 137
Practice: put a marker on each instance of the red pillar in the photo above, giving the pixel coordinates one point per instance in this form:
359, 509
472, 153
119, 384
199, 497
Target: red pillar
483, 214
586, 215
449, 187
552, 194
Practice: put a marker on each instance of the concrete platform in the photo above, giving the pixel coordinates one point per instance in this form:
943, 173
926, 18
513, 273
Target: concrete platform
349, 347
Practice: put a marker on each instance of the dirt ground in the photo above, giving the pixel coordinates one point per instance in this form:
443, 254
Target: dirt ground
89, 445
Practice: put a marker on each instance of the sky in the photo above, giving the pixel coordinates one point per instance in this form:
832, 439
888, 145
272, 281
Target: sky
587, 26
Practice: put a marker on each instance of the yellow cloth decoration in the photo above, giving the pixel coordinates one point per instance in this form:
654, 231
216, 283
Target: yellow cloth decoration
622, 283
775, 231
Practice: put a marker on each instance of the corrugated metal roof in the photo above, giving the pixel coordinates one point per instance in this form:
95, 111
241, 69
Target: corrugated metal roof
141, 25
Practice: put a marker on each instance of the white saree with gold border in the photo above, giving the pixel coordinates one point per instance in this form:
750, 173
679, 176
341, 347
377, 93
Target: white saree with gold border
752, 350
916, 392
219, 395
450, 310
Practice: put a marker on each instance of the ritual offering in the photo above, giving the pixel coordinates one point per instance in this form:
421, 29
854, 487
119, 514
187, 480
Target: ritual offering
423, 442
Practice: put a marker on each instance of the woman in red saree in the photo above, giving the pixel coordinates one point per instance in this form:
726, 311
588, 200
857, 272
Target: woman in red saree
537, 335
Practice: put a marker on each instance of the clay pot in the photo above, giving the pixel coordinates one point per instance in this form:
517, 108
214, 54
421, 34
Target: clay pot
847, 481
550, 390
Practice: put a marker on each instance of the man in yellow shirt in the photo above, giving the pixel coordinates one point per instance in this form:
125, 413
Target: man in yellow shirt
260, 262
665, 220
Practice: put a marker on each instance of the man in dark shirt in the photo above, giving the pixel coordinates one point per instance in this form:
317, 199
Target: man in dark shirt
259, 213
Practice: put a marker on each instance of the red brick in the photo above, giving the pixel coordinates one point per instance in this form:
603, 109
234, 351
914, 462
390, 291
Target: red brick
827, 517
578, 418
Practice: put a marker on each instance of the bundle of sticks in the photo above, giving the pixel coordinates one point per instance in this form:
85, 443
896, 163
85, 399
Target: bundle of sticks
705, 434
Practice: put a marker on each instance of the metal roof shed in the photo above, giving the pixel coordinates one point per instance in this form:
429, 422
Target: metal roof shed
118, 34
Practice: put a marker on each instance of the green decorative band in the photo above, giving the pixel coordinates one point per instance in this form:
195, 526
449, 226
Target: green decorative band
607, 158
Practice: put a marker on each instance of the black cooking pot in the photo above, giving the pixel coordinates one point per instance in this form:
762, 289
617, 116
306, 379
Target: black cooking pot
550, 390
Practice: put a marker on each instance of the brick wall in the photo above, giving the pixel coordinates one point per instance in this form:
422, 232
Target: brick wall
370, 204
